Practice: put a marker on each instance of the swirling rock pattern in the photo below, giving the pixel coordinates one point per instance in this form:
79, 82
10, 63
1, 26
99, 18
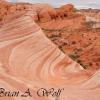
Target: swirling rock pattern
28, 59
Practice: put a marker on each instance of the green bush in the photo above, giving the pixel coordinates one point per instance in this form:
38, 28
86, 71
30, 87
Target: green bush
74, 56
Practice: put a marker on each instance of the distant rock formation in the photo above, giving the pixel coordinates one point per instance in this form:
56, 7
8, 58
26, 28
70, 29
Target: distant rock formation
68, 8
43, 12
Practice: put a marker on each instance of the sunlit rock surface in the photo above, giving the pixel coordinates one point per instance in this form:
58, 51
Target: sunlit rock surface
43, 12
29, 60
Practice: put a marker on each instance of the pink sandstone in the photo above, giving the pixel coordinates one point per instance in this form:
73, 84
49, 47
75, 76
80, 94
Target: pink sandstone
28, 59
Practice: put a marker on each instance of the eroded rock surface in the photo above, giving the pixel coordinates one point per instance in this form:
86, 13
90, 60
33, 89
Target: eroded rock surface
43, 12
28, 59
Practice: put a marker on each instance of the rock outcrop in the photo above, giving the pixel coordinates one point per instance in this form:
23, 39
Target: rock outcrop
43, 12
29, 60
67, 8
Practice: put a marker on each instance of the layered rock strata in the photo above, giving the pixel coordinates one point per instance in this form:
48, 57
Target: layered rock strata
28, 59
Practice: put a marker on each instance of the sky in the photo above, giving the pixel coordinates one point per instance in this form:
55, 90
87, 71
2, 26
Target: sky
57, 3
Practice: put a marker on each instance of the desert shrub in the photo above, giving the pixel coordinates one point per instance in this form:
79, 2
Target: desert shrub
74, 56
81, 63
89, 24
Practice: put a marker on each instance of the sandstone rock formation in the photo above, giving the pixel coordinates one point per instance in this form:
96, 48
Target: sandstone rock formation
67, 7
28, 59
65, 11
57, 23
44, 12
3, 9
